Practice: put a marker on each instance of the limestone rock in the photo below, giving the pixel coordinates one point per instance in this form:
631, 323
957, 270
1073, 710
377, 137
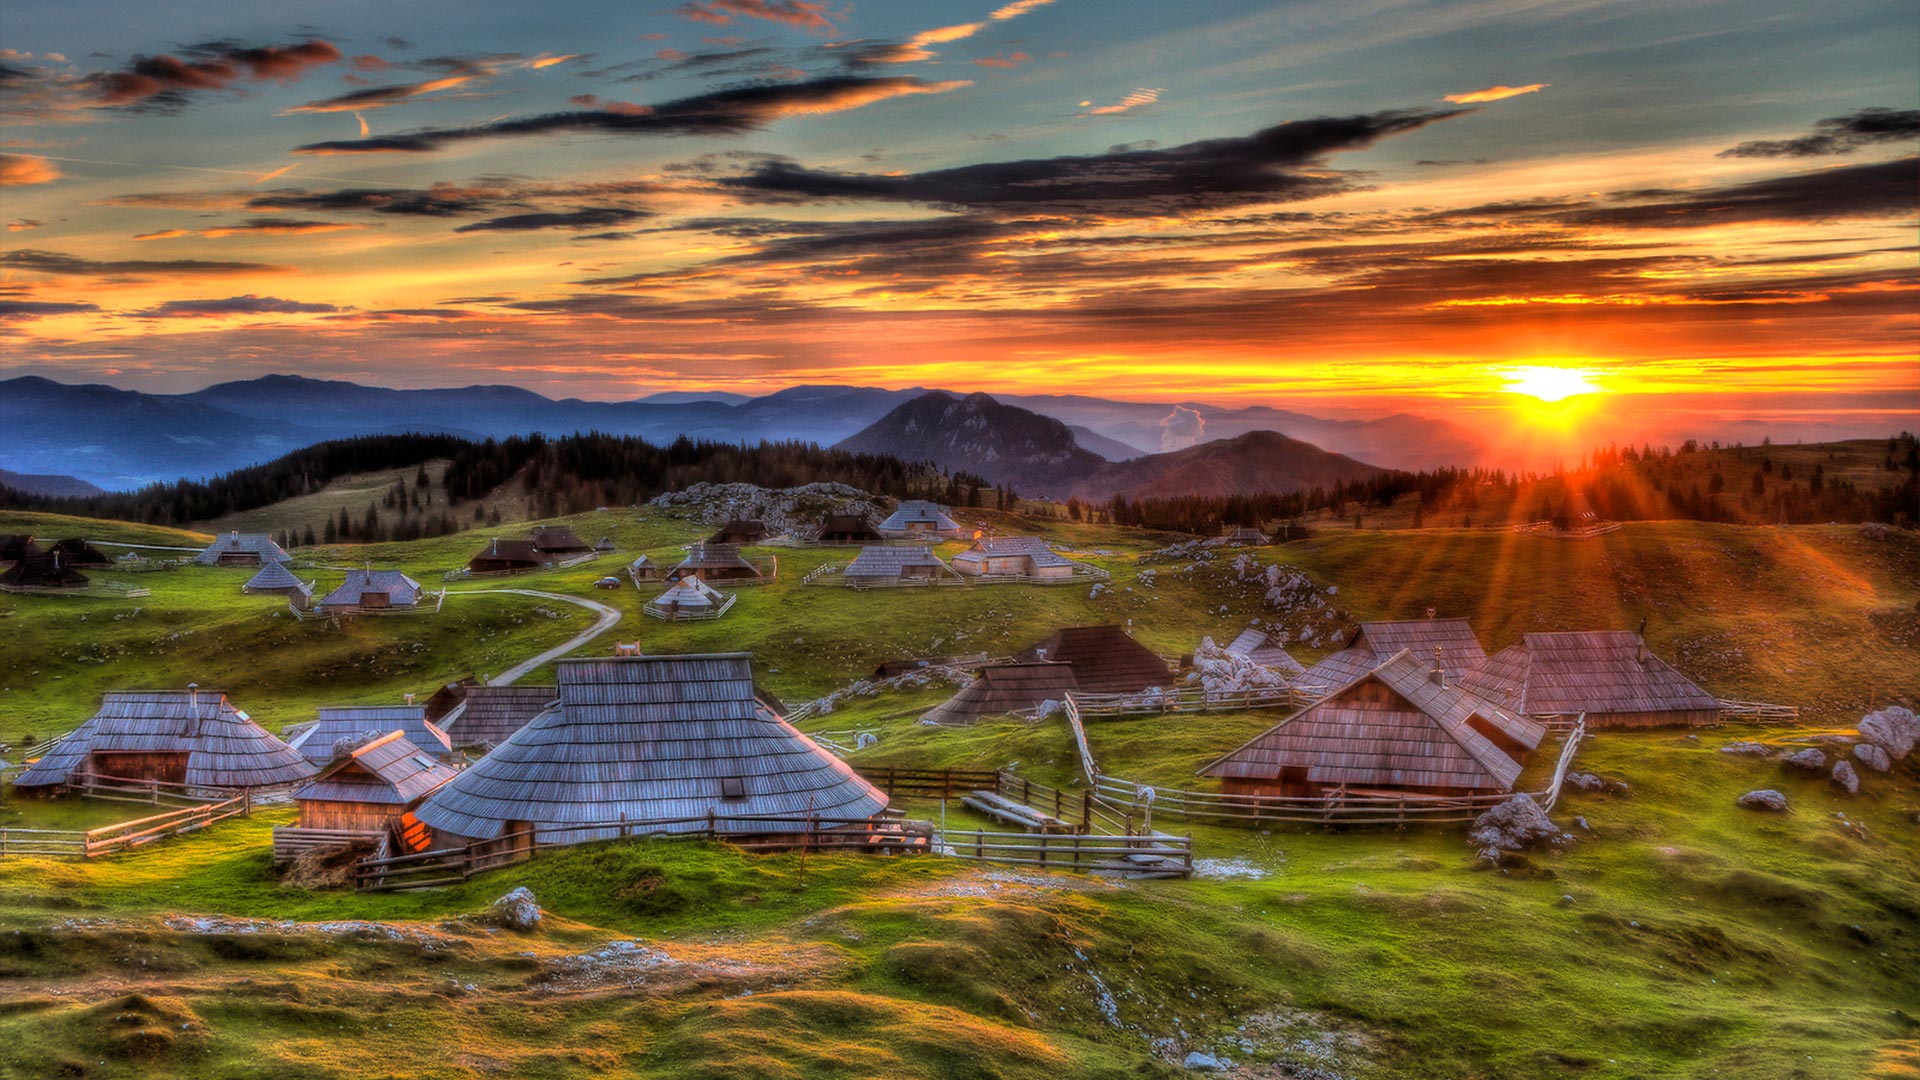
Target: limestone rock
1808, 760
1200, 1062
1764, 799
517, 910
1873, 757
1515, 825
1894, 729
1747, 749
1846, 778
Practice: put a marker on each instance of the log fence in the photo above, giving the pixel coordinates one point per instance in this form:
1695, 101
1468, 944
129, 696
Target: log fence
120, 836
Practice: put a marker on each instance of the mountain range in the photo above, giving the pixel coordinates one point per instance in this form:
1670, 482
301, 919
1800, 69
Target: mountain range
120, 439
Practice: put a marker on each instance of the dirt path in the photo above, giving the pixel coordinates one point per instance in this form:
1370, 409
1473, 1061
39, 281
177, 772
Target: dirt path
608, 617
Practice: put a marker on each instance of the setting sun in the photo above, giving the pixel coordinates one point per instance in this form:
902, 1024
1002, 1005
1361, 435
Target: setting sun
1550, 383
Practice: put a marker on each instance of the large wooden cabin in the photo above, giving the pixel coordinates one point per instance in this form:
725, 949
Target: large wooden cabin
1104, 659
1002, 689
1013, 556
1608, 676
242, 549
892, 565
1447, 643
189, 737
371, 789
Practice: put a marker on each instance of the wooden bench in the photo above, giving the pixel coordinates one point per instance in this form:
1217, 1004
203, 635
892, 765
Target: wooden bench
1000, 808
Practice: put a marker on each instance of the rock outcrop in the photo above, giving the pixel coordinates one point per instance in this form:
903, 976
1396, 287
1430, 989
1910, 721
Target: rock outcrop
1764, 799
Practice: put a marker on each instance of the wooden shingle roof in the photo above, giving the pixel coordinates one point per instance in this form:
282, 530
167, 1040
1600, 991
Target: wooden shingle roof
847, 528
1105, 659
710, 556
275, 577
1260, 647
388, 771
224, 747
1450, 639
491, 713
918, 512
557, 539
336, 722
259, 545
649, 738
1423, 734
508, 551
48, 571
739, 531
688, 594
401, 590
883, 561
75, 551
1592, 671
1005, 688
17, 546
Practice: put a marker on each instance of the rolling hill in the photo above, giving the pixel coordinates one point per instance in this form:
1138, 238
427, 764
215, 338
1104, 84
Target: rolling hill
978, 434
1257, 462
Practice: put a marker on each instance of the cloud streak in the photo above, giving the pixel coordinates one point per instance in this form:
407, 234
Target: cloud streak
1494, 93
233, 305
21, 170
1838, 135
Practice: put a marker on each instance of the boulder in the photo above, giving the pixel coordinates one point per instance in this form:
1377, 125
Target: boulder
1808, 760
1200, 1062
1894, 729
1764, 799
1515, 825
1845, 778
517, 910
1586, 781
1747, 749
1872, 757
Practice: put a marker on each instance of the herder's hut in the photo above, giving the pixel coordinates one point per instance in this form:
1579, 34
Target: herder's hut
913, 564
688, 598
362, 722
1245, 536
740, 531
605, 546
75, 551
444, 701
1262, 648
1002, 689
242, 549
17, 546
1449, 640
491, 713
848, 529
1610, 675
920, 519
643, 568
1013, 556
192, 737
558, 541
1105, 659
275, 579
48, 571
669, 739
506, 557
1399, 729
715, 562
372, 590
372, 788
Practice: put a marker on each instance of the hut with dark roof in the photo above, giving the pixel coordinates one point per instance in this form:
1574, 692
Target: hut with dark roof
242, 549
558, 541
1013, 556
192, 737
506, 557
715, 562
650, 738
16, 546
605, 546
1449, 642
1105, 659
1263, 648
848, 529
275, 579
1005, 688
491, 713
446, 698
372, 590
910, 564
358, 723
1399, 729
1610, 676
920, 519
372, 787
48, 571
75, 551
739, 531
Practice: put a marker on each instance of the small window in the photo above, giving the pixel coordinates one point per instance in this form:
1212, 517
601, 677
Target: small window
733, 787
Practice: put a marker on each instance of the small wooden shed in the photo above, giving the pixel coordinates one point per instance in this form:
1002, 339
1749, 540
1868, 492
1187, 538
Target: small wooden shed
558, 541
192, 737
1005, 688
909, 564
275, 579
491, 713
1449, 643
1608, 675
740, 531
848, 529
372, 788
334, 723
715, 562
1245, 536
1105, 659
506, 557
643, 568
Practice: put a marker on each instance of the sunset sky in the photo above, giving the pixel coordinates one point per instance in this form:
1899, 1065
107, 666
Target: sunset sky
1349, 207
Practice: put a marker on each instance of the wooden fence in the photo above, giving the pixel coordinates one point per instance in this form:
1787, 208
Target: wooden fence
1157, 855
1759, 712
121, 836
675, 613
929, 783
1189, 699
292, 841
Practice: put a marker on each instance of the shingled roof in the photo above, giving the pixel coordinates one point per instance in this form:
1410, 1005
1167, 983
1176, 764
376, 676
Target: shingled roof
75, 551
389, 771
400, 590
275, 577
688, 594
491, 713
508, 553
48, 571
883, 561
1262, 648
720, 561
336, 722
1031, 547
919, 514
224, 747
557, 540
740, 531
1422, 735
1005, 688
1451, 639
17, 546
242, 546
1592, 671
847, 529
646, 739
1105, 659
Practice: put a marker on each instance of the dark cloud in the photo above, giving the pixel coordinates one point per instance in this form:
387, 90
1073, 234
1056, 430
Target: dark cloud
1883, 189
58, 263
586, 217
164, 83
805, 14
440, 200
722, 112
34, 309
233, 305
1262, 167
1838, 135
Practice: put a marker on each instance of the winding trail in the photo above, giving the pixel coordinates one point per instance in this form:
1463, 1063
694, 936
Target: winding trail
608, 618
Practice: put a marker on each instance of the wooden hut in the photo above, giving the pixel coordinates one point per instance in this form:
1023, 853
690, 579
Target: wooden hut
606, 546
1005, 688
1609, 675
192, 737
372, 590
17, 546
911, 564
1105, 659
649, 739
76, 552
558, 541
359, 723
715, 562
918, 519
506, 557
445, 699
1448, 642
1013, 556
643, 568
1399, 729
1245, 536
242, 549
491, 713
848, 529
740, 531
48, 571
688, 598
1263, 648
275, 579
371, 789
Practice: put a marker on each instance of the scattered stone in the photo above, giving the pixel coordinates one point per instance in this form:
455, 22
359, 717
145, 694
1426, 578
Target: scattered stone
1808, 760
1515, 825
1566, 900
517, 910
1586, 781
1894, 729
1873, 757
1764, 799
1581, 824
1846, 778
1219, 671
1747, 749
1200, 1062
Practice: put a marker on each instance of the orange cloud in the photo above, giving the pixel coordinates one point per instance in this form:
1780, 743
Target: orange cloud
1495, 93
1138, 99
19, 170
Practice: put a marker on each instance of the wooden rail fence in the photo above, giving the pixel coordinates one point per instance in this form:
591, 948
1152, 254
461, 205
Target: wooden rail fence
120, 836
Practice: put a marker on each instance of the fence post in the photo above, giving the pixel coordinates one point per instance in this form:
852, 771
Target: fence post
979, 846
1086, 811
246, 802
711, 830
